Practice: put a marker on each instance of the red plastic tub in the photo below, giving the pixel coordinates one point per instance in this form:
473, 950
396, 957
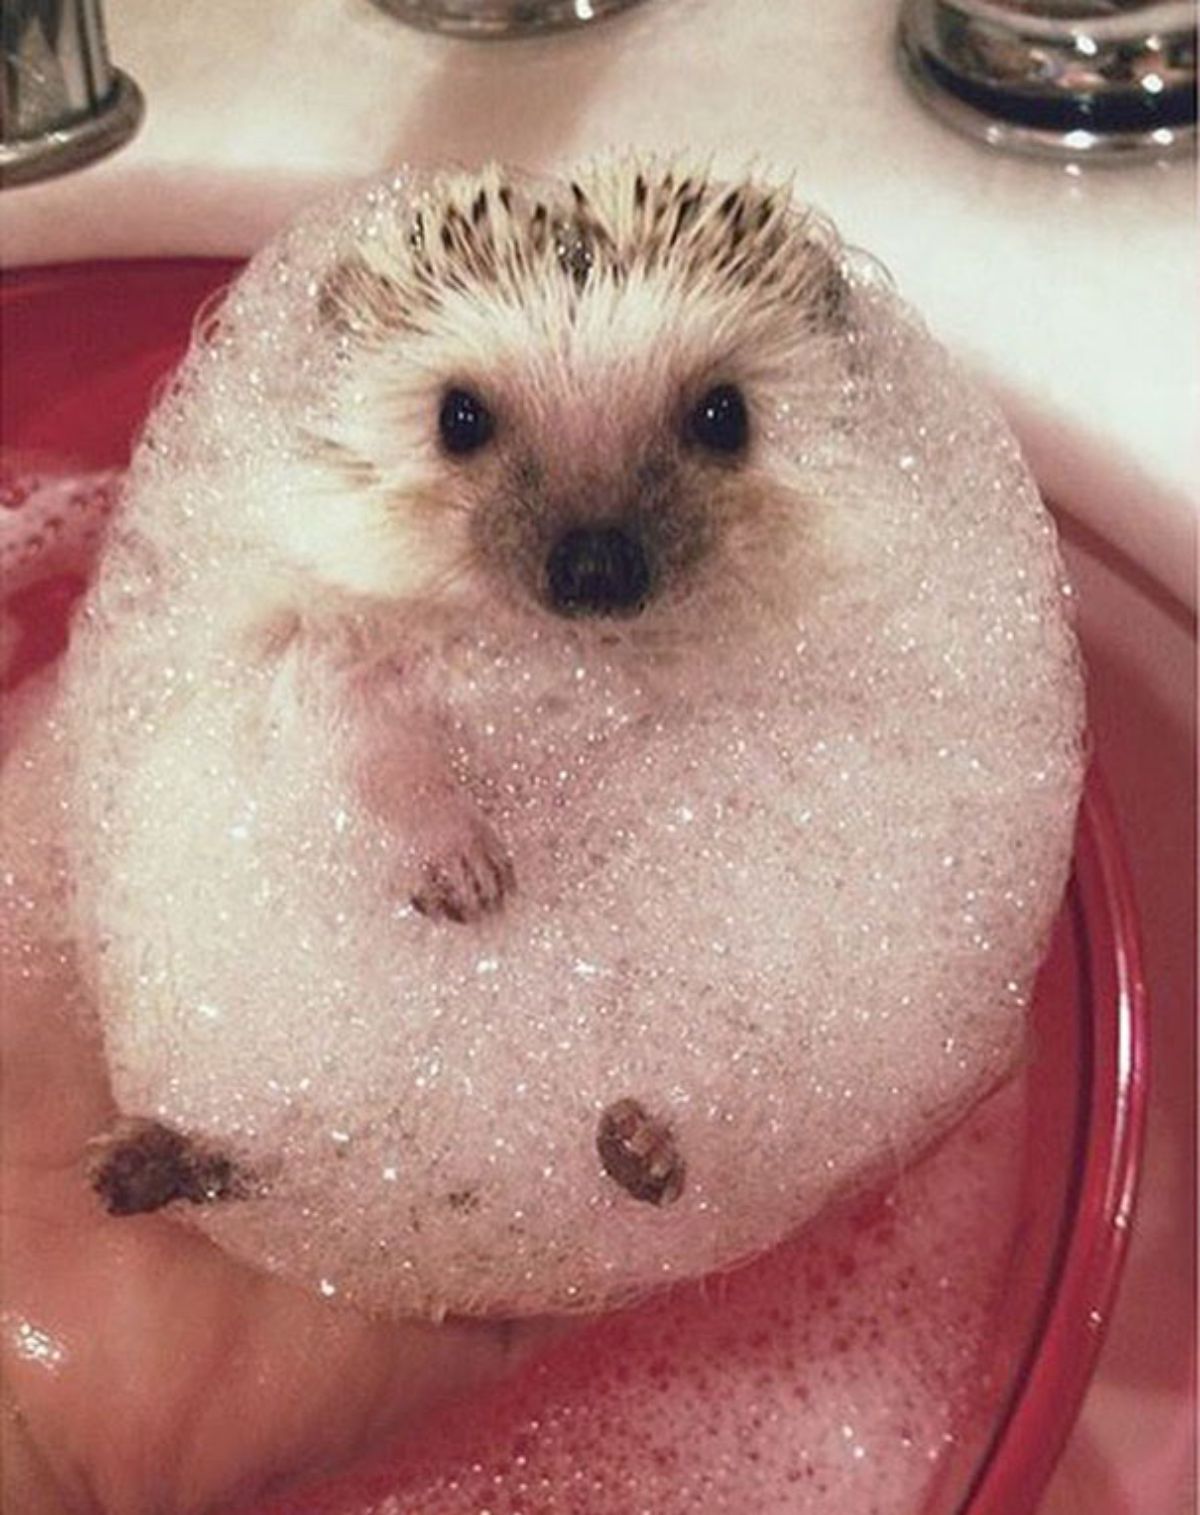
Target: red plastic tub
85, 347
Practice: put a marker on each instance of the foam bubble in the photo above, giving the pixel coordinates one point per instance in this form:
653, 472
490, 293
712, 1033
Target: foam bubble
786, 850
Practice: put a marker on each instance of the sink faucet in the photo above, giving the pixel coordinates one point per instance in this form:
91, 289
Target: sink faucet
62, 104
1105, 80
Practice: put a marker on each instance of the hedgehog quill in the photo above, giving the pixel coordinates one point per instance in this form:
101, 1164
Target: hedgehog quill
575, 741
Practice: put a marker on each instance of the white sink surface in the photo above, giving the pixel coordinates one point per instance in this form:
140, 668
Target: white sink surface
1074, 293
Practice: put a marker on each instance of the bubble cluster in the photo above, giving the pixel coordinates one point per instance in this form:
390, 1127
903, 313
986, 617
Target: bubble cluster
785, 855
858, 1367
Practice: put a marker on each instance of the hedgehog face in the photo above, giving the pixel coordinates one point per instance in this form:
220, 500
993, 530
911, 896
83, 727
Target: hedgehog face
562, 405
597, 483
594, 508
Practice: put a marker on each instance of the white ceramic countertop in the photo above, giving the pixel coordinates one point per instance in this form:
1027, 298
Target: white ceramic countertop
1074, 293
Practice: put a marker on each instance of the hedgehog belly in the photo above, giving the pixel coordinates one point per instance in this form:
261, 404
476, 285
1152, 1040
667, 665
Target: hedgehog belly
737, 976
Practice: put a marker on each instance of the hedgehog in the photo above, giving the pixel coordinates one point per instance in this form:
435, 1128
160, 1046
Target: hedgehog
574, 742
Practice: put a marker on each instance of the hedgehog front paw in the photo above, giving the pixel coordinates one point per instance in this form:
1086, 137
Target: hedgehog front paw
466, 880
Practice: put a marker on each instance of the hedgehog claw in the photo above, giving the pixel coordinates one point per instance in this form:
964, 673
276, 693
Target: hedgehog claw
467, 882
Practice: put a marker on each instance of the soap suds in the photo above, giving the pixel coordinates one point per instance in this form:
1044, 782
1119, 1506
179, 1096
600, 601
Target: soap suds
857, 1368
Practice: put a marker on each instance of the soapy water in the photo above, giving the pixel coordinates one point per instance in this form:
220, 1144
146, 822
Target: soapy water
52, 519
785, 860
853, 1368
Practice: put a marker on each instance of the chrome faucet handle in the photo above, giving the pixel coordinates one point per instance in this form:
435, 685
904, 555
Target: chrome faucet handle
62, 104
1066, 79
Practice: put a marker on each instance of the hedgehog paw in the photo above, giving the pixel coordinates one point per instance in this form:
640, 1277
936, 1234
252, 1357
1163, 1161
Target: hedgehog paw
142, 1165
466, 881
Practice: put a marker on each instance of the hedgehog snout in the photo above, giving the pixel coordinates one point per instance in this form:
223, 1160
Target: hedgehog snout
602, 570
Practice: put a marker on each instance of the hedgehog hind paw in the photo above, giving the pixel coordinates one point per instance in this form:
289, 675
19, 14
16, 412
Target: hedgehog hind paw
142, 1165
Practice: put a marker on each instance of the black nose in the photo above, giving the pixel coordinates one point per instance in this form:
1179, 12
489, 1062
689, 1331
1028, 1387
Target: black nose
598, 570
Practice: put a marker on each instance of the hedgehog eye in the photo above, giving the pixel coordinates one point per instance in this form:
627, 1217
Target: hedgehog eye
465, 422
719, 422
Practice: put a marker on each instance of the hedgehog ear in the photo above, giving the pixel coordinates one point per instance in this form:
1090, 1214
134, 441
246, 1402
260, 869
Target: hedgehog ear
333, 304
830, 290
358, 301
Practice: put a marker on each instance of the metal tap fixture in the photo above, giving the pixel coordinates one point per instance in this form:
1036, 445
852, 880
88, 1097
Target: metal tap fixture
501, 18
62, 104
1066, 79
